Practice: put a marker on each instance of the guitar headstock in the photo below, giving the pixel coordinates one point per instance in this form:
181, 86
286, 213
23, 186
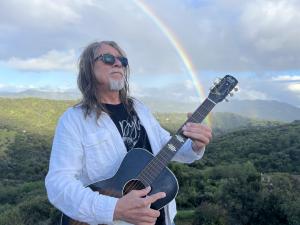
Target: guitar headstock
222, 88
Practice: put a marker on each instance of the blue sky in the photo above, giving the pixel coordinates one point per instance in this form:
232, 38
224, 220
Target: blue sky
257, 41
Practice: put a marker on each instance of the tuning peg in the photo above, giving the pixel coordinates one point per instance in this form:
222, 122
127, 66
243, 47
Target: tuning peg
231, 94
212, 87
217, 80
226, 100
236, 88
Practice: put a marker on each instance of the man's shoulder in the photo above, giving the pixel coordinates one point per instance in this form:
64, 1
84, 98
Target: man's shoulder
73, 112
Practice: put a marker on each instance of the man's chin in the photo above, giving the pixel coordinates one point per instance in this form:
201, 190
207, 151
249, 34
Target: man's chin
116, 84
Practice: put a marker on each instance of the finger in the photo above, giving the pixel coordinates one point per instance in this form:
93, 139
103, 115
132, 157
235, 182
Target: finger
154, 198
153, 213
198, 131
198, 125
146, 223
197, 128
197, 137
142, 192
148, 215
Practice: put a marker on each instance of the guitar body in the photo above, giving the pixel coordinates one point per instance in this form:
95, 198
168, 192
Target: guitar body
126, 180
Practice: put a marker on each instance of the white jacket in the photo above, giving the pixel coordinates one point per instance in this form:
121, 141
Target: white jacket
88, 150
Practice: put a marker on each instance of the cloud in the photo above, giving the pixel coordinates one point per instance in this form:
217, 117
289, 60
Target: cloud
52, 60
286, 78
294, 87
189, 84
43, 14
217, 35
221, 36
13, 88
252, 94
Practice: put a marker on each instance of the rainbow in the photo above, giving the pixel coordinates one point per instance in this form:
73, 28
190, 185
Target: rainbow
179, 49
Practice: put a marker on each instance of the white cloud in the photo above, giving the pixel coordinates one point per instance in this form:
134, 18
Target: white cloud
294, 87
189, 84
136, 90
41, 13
221, 36
286, 78
23, 87
52, 60
272, 25
252, 94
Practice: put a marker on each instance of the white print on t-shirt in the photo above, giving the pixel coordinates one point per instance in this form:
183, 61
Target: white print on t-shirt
130, 131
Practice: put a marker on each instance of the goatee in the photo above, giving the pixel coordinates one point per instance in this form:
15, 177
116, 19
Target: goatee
116, 85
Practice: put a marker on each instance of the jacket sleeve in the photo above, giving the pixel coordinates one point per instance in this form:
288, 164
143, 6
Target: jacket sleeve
64, 189
185, 153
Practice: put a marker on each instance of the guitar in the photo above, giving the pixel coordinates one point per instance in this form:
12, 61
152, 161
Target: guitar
140, 168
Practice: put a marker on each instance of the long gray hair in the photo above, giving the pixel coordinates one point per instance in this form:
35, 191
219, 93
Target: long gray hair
87, 83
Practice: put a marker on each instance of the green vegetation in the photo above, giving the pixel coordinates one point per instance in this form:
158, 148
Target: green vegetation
250, 175
221, 122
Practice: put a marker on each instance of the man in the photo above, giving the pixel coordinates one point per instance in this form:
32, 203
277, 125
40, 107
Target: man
92, 138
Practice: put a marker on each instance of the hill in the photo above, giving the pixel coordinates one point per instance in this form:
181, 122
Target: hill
231, 184
220, 122
32, 114
41, 115
261, 109
256, 109
249, 175
270, 149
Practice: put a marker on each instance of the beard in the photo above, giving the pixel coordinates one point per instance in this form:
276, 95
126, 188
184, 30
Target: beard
116, 85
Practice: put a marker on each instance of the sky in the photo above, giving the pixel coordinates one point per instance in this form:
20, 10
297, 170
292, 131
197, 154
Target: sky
176, 48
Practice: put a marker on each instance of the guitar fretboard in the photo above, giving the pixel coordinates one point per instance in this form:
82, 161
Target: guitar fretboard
161, 160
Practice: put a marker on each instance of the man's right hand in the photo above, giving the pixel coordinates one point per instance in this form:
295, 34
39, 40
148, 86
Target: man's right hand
134, 207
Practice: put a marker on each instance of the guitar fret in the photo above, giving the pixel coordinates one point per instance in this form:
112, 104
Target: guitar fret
160, 161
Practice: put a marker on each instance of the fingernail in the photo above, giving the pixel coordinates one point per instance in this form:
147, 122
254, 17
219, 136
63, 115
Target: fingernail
163, 195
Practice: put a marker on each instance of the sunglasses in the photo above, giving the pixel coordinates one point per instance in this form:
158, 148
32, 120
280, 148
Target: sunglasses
111, 59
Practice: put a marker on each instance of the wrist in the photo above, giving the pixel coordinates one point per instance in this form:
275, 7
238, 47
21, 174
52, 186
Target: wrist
117, 212
196, 148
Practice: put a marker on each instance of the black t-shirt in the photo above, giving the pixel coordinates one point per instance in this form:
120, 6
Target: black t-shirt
133, 134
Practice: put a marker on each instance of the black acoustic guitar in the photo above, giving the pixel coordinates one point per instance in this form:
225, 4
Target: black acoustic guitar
140, 168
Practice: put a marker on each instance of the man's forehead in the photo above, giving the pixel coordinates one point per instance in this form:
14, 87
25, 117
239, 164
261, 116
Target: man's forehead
104, 48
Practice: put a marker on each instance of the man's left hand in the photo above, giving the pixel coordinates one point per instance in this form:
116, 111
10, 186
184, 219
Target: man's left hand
200, 134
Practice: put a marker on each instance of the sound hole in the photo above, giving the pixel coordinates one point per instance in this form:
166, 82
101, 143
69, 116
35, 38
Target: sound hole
133, 185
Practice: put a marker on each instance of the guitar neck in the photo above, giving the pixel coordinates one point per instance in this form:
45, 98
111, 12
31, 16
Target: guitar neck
161, 160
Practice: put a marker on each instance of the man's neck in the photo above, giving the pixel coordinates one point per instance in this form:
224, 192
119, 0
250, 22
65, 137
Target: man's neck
111, 98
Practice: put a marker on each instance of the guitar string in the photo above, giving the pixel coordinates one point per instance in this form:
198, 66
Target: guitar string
152, 165
148, 177
149, 172
146, 173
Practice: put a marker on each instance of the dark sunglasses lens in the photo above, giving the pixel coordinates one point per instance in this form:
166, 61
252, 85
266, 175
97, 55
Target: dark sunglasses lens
124, 61
108, 59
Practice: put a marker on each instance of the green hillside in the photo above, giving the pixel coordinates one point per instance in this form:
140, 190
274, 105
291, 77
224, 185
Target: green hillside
250, 175
220, 122
41, 115
270, 149
32, 114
